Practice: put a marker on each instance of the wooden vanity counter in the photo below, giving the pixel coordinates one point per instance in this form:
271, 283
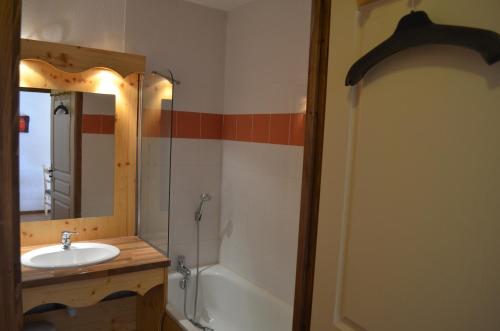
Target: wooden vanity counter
135, 255
139, 268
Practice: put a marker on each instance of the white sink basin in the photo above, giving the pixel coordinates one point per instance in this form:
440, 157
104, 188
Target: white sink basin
78, 255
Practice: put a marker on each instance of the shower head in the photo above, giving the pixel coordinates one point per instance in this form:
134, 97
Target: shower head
168, 76
205, 197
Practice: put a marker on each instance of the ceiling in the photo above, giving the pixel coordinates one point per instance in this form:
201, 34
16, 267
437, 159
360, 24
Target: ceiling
221, 4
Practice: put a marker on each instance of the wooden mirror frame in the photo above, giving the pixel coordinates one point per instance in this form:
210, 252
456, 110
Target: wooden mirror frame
71, 68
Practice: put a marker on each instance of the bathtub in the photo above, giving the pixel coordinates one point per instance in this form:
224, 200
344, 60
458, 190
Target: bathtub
228, 302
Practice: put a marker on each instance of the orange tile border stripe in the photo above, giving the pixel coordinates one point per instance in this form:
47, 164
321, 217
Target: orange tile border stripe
280, 129
99, 124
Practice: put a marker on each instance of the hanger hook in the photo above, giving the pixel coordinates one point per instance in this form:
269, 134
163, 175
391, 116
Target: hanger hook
413, 4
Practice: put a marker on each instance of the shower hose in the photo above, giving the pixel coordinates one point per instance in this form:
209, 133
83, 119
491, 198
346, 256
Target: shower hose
193, 319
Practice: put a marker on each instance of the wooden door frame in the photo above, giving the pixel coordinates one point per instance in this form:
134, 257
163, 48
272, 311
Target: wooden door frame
313, 155
10, 268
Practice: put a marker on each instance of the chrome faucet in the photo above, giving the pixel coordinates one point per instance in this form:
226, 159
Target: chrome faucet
181, 267
66, 238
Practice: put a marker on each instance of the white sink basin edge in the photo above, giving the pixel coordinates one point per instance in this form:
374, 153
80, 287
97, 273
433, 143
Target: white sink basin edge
78, 255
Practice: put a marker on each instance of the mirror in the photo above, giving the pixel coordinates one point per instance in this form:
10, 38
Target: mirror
66, 154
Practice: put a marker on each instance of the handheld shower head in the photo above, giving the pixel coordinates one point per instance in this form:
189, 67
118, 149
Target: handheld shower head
205, 197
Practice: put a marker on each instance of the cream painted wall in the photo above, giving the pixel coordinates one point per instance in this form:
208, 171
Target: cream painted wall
187, 38
97, 24
190, 40
266, 72
265, 58
408, 223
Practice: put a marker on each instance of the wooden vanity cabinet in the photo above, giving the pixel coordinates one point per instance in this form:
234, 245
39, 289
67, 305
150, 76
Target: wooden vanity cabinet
139, 269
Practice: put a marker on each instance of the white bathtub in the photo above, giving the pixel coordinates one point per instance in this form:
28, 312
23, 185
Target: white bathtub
228, 302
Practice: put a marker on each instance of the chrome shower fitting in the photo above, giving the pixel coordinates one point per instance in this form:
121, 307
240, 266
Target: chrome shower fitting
205, 197
181, 267
184, 271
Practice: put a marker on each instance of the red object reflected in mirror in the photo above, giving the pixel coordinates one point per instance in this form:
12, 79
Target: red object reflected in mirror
24, 124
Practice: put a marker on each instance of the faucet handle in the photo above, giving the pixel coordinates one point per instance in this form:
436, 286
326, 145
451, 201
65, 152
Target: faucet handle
68, 234
180, 260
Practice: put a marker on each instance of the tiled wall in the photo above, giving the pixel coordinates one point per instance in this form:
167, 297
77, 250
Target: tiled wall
189, 39
98, 124
196, 168
281, 129
249, 158
265, 89
260, 213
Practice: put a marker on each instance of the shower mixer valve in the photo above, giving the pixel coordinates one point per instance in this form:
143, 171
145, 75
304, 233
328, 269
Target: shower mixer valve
181, 267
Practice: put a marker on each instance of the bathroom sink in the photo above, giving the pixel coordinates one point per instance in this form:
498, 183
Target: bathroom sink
77, 255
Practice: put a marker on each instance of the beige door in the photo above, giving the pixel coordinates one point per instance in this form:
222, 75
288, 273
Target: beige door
409, 226
63, 135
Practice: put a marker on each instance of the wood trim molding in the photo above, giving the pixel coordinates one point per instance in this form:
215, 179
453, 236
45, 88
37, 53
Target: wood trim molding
89, 292
151, 308
77, 59
170, 323
313, 154
116, 314
10, 269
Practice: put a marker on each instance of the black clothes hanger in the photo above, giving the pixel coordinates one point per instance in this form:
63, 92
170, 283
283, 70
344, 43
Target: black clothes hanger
416, 29
61, 107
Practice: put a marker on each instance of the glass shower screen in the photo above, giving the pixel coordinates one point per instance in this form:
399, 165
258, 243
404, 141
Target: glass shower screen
154, 150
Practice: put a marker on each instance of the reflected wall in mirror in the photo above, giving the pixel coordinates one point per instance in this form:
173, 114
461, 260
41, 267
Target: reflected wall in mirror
66, 154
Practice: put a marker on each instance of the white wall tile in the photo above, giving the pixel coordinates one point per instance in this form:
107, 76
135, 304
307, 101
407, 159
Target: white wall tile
193, 173
261, 183
154, 191
260, 213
